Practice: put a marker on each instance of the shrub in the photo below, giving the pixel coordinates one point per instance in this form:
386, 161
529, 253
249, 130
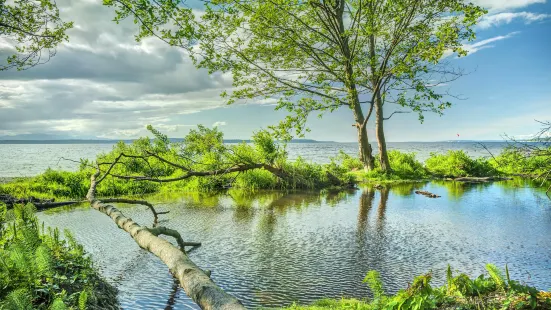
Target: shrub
515, 161
457, 164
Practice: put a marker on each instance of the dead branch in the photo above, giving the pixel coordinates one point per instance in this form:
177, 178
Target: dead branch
195, 281
137, 202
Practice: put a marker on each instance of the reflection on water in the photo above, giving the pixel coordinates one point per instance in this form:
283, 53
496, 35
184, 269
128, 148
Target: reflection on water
272, 248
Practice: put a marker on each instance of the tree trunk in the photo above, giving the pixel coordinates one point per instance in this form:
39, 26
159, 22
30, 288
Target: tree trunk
366, 153
380, 134
195, 281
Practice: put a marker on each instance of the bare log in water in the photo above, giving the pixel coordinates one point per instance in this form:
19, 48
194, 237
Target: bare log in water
196, 282
40, 204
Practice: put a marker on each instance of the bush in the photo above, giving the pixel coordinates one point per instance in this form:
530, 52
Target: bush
42, 270
458, 164
514, 161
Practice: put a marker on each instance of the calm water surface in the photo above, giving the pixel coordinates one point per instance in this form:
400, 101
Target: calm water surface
272, 248
18, 160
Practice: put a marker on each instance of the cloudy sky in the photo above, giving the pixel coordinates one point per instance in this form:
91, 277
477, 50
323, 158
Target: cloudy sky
104, 84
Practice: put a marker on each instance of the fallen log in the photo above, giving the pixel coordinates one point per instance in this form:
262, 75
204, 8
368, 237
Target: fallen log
427, 194
40, 204
196, 282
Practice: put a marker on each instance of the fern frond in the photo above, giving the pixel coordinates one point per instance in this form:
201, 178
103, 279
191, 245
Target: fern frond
449, 277
58, 304
496, 275
22, 259
44, 260
373, 280
82, 299
19, 299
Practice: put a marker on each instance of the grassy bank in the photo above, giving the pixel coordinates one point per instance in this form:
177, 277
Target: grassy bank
493, 291
204, 150
40, 269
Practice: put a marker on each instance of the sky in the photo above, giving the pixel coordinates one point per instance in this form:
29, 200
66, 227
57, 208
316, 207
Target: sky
102, 84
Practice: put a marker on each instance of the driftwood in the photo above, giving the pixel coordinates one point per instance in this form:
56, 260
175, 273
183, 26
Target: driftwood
196, 282
40, 204
427, 194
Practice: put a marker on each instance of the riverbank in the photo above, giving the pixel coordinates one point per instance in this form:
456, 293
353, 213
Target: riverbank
494, 290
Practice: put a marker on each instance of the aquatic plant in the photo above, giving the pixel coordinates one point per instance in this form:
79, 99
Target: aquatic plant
42, 270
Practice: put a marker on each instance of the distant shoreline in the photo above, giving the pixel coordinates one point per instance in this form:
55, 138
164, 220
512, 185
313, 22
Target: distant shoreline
298, 141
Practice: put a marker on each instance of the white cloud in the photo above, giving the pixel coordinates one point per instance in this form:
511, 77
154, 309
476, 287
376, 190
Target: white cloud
218, 124
503, 5
477, 46
507, 17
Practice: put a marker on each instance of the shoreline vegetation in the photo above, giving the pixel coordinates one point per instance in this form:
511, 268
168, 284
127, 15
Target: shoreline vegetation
493, 291
204, 163
205, 151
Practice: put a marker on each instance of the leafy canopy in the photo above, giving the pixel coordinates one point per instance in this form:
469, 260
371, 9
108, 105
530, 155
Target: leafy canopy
34, 29
318, 55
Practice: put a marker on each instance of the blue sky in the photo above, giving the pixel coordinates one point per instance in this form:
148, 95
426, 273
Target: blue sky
103, 84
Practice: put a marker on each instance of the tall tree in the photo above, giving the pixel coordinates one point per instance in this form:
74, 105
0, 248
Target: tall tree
318, 56
32, 29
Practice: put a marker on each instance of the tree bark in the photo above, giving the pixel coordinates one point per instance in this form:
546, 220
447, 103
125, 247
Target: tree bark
365, 151
195, 282
378, 103
380, 134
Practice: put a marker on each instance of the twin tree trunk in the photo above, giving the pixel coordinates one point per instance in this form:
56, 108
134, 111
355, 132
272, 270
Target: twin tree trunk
380, 133
366, 153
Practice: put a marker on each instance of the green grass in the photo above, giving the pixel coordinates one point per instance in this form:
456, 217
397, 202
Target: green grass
41, 270
204, 150
492, 291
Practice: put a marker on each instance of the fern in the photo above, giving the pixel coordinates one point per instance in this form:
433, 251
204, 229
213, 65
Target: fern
18, 300
58, 304
44, 260
449, 278
82, 299
373, 280
20, 255
496, 275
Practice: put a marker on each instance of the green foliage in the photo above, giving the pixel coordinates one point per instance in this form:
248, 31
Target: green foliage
460, 292
516, 161
373, 280
458, 163
496, 275
22, 23
44, 271
404, 167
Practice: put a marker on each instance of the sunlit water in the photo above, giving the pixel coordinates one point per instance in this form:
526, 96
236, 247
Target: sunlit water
272, 248
18, 160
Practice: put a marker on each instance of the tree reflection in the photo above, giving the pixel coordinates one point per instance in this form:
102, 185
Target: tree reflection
381, 210
366, 204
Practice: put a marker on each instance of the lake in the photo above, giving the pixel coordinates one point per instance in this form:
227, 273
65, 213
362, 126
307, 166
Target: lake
272, 248
21, 160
